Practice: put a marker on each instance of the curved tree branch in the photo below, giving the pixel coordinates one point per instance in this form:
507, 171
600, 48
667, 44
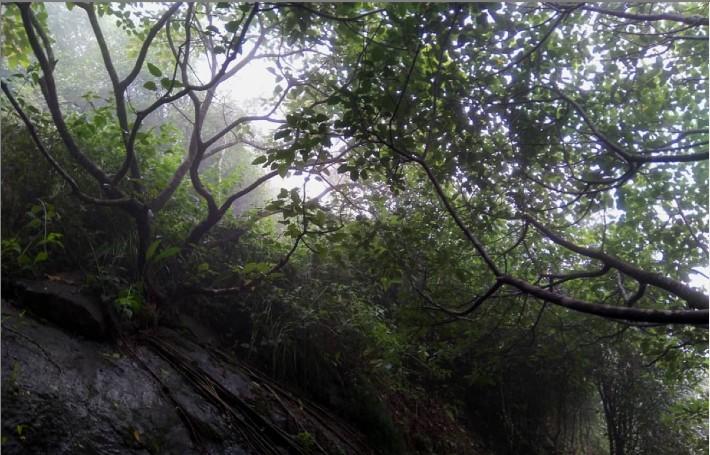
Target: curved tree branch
699, 317
695, 299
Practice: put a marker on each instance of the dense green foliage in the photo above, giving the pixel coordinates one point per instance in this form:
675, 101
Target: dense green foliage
494, 226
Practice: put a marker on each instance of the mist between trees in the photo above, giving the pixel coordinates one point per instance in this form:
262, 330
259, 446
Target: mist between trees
503, 206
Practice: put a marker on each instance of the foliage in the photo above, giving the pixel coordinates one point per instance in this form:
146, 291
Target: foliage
34, 242
129, 301
500, 209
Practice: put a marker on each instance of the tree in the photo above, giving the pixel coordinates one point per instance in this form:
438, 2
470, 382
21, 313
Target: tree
558, 129
511, 205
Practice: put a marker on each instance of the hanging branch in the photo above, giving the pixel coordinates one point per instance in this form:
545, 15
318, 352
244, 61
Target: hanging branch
695, 299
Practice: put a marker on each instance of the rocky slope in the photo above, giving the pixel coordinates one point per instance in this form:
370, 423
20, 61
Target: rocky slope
65, 391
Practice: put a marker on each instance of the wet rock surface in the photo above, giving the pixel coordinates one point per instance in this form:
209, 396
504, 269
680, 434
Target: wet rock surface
66, 395
63, 304
158, 393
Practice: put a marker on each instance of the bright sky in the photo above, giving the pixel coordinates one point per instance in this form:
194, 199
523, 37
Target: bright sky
252, 90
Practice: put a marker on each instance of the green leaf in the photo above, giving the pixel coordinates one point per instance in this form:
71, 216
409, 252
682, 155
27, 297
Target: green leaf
232, 26
260, 159
150, 85
23, 260
319, 219
167, 253
283, 170
333, 100
152, 248
167, 83
274, 205
256, 267
293, 231
282, 133
41, 257
154, 70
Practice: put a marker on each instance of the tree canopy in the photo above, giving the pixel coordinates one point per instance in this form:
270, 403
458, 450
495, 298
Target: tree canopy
463, 169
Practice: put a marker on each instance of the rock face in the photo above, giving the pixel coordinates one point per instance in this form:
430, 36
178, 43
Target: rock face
64, 305
65, 395
159, 393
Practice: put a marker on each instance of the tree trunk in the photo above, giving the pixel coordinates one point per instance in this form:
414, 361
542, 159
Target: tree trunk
142, 218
